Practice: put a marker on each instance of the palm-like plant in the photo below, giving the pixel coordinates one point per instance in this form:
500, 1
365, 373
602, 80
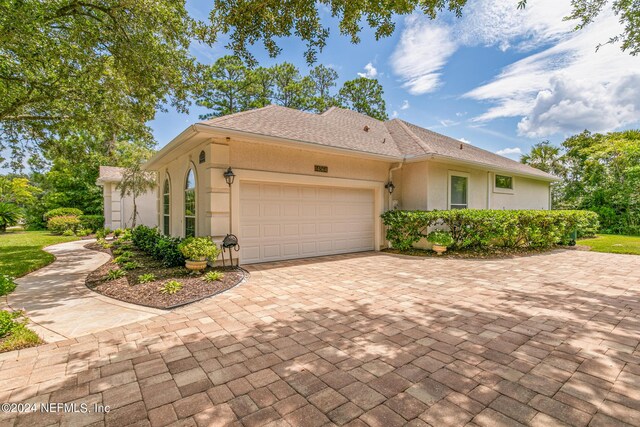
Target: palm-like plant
545, 157
10, 214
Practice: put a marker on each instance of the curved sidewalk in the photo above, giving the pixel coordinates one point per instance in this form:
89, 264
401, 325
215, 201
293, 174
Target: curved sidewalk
59, 304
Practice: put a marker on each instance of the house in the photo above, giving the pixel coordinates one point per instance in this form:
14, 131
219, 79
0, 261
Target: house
118, 211
315, 184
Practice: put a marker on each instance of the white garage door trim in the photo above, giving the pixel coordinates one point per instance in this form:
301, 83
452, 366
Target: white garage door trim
244, 176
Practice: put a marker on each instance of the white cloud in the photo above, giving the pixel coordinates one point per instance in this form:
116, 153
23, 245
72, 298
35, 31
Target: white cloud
466, 141
405, 105
446, 123
423, 50
510, 152
370, 71
564, 88
394, 114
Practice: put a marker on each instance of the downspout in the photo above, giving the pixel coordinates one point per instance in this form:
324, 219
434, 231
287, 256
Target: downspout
489, 190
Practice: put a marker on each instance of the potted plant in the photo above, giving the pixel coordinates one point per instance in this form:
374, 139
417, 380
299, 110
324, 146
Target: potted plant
197, 250
440, 239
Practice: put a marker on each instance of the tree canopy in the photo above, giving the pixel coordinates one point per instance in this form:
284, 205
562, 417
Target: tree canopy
230, 86
247, 22
598, 172
98, 66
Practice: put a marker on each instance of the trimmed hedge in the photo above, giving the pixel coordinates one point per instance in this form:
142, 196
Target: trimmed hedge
62, 212
475, 228
162, 248
60, 224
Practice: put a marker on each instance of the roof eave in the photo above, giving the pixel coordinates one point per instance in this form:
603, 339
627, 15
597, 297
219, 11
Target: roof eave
157, 159
206, 128
432, 156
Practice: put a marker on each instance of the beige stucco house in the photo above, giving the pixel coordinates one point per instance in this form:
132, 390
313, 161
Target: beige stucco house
118, 211
315, 184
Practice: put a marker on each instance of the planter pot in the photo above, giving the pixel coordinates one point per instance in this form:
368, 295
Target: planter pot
439, 249
196, 265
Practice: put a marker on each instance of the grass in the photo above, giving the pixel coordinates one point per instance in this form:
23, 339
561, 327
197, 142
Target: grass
614, 244
19, 337
21, 251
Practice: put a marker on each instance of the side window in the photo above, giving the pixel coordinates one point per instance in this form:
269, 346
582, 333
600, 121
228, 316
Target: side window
190, 205
166, 207
459, 189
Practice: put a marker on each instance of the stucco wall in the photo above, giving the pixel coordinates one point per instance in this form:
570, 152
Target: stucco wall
425, 185
176, 170
118, 212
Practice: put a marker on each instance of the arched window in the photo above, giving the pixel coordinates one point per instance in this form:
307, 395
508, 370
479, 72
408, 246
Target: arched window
166, 207
202, 158
190, 204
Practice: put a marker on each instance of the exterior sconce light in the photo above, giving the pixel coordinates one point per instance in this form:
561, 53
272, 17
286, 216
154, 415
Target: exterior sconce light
229, 176
390, 187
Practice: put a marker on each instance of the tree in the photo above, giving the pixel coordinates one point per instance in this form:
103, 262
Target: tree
10, 214
599, 172
323, 80
17, 190
136, 181
227, 87
101, 66
246, 22
290, 89
546, 157
364, 96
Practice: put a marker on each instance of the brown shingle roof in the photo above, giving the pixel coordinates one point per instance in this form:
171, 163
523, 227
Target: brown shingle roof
110, 174
338, 127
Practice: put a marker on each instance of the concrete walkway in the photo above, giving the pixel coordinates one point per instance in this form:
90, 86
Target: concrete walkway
61, 307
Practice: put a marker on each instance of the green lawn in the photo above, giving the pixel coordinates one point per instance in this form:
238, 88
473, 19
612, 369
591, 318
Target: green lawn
21, 251
613, 244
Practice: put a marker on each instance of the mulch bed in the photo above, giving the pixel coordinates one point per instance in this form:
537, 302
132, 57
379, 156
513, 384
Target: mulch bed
494, 253
128, 288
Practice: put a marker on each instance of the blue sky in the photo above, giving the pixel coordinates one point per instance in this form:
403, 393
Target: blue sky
499, 78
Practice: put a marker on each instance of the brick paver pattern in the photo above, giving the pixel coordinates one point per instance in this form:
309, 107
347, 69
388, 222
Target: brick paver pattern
364, 339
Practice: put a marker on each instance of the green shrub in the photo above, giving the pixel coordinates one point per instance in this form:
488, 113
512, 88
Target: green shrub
60, 224
117, 232
440, 238
92, 223
131, 265
7, 285
160, 247
19, 337
473, 228
123, 258
199, 248
10, 215
146, 278
116, 274
166, 250
62, 212
170, 287
212, 276
68, 233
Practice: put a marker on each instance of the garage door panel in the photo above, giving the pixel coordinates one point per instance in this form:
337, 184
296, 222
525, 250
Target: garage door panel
283, 221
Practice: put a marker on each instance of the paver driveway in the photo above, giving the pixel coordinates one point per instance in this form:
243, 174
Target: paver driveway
365, 339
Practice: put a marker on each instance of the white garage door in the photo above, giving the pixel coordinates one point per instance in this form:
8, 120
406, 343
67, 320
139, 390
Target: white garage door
283, 221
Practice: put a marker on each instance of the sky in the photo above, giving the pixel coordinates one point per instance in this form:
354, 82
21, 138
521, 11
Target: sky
499, 78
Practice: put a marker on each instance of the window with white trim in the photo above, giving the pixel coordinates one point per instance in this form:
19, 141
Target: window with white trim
458, 191
190, 204
166, 207
504, 182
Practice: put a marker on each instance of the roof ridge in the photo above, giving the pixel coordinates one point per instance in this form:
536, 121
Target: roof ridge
328, 110
426, 147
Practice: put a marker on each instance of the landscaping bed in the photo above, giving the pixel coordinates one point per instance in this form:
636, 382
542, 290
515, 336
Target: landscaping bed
128, 288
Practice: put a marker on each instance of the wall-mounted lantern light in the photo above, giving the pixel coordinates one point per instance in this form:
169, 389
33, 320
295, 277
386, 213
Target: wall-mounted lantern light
390, 187
229, 176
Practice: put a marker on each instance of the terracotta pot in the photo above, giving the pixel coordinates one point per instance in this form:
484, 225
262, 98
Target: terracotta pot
439, 249
196, 265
